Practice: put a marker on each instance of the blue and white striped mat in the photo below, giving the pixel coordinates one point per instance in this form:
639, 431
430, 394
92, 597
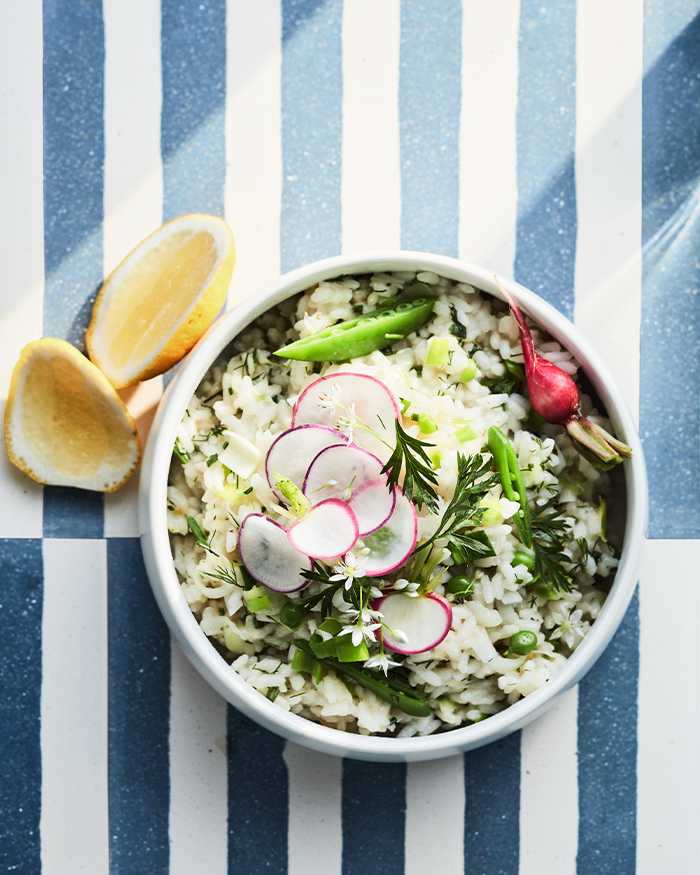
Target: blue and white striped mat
555, 141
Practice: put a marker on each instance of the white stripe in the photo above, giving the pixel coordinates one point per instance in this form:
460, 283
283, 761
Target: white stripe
668, 767
549, 791
609, 184
608, 280
252, 199
133, 186
488, 185
22, 232
253, 142
74, 801
435, 816
315, 829
198, 773
370, 163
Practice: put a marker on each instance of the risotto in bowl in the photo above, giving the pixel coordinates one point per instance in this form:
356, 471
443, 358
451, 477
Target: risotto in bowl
392, 507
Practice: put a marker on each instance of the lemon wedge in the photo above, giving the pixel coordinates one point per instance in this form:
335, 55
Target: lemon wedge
160, 300
65, 425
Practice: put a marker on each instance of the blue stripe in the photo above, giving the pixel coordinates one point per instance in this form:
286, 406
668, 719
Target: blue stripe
73, 76
545, 252
139, 708
607, 756
21, 599
311, 130
374, 817
257, 799
670, 364
193, 146
492, 808
429, 119
546, 140
429, 115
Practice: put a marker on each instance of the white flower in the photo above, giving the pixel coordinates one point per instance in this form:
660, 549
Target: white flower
571, 628
348, 569
330, 399
360, 633
381, 660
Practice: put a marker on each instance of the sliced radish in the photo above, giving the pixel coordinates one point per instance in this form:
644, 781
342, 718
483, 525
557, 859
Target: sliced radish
390, 546
269, 556
292, 452
353, 475
344, 394
327, 531
423, 620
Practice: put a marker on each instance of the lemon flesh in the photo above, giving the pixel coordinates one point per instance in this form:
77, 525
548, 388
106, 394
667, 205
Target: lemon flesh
64, 423
159, 301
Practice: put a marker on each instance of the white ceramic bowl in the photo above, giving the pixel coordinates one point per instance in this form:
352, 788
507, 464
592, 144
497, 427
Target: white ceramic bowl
212, 667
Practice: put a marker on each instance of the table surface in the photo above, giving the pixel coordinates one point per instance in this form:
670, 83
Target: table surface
556, 143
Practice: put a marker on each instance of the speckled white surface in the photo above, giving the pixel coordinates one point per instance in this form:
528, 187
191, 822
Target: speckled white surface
556, 141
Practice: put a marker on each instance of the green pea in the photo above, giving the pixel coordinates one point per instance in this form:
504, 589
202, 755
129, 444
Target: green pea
523, 642
524, 557
460, 585
546, 591
360, 336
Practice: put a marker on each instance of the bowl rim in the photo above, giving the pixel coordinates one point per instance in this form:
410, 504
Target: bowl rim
182, 623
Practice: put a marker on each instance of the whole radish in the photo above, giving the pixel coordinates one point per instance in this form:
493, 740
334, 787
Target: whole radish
555, 396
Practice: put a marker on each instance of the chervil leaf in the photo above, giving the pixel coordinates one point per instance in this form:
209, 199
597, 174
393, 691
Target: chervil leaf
419, 479
550, 534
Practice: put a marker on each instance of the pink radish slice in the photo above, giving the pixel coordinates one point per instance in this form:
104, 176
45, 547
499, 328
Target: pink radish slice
390, 546
327, 531
424, 620
269, 556
351, 474
331, 398
292, 452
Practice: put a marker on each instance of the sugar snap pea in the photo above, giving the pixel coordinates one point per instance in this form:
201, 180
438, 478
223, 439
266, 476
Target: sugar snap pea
395, 692
362, 335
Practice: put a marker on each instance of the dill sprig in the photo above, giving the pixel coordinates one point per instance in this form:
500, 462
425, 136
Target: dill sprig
200, 536
464, 513
420, 479
224, 575
550, 533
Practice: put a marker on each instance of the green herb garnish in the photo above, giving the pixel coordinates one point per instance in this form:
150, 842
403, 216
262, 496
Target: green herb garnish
199, 535
513, 379
550, 533
204, 436
401, 695
178, 450
457, 329
420, 479
224, 575
463, 514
